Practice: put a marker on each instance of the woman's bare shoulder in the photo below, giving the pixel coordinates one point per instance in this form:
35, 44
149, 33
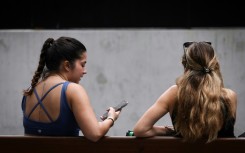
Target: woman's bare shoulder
171, 97
75, 91
230, 93
74, 87
173, 88
233, 99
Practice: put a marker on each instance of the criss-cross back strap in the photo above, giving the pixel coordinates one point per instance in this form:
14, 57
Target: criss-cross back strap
41, 100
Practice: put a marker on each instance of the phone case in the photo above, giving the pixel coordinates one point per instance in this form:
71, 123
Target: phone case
117, 108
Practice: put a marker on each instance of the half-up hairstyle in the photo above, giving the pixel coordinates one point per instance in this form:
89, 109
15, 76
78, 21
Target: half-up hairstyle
200, 106
52, 54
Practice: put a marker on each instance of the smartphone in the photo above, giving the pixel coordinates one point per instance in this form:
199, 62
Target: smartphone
117, 108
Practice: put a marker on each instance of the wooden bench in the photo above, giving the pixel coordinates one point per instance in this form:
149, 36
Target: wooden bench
130, 144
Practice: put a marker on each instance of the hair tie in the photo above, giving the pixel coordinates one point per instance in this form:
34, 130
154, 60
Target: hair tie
51, 43
206, 70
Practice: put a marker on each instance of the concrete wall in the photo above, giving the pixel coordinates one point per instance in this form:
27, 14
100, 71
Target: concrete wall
132, 64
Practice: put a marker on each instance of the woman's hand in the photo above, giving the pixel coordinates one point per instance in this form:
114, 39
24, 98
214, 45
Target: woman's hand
169, 131
113, 114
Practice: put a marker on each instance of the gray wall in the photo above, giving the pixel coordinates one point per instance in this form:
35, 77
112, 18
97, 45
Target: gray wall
136, 65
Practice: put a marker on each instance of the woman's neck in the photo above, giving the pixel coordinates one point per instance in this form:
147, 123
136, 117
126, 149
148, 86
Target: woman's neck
58, 74
63, 77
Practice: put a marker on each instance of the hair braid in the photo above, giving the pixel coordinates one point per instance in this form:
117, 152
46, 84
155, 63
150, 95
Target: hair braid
47, 44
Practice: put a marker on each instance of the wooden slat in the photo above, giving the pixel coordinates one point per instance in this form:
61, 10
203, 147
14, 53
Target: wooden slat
37, 144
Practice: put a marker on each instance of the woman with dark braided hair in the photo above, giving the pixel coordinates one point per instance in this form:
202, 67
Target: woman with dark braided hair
55, 104
199, 105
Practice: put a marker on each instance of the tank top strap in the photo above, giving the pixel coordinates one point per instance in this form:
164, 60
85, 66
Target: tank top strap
40, 101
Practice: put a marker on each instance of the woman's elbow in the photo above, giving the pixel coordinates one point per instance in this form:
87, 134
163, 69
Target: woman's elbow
94, 137
138, 132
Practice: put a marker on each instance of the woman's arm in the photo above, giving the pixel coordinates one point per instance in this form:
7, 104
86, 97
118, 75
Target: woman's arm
85, 116
145, 126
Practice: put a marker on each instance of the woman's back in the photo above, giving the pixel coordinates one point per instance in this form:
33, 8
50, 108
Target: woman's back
51, 102
227, 129
47, 111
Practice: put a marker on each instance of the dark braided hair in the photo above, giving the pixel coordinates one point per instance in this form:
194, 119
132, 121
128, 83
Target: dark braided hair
52, 54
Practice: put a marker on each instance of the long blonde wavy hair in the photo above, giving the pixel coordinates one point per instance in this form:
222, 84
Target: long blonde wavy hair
199, 105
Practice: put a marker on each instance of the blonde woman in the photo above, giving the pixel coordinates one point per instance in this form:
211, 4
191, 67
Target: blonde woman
199, 105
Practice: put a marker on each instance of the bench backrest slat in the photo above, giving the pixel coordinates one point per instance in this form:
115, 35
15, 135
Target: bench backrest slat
37, 144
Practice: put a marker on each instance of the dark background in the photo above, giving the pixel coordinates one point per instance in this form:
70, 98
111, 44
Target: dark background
121, 14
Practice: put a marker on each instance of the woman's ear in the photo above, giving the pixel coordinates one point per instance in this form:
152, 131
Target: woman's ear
67, 65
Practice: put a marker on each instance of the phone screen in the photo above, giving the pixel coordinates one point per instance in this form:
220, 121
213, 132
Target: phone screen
117, 108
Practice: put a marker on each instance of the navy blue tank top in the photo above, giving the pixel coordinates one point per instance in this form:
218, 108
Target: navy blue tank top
65, 125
